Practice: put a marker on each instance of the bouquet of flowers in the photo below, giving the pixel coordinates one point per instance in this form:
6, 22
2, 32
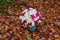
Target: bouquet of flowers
30, 17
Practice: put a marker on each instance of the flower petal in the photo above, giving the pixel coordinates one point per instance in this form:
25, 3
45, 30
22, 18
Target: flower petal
29, 23
32, 16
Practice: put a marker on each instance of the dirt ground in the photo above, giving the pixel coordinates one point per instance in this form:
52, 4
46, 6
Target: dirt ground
48, 29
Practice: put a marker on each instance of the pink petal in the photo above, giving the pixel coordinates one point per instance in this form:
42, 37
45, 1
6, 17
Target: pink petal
23, 23
32, 16
28, 10
37, 14
40, 18
30, 24
36, 22
23, 14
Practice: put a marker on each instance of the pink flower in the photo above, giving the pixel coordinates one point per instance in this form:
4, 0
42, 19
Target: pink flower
32, 16
37, 14
28, 10
36, 22
29, 23
23, 23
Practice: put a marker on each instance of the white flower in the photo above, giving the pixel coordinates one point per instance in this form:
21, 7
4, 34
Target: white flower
22, 18
33, 24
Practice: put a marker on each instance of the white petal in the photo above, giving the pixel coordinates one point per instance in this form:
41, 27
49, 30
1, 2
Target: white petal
22, 18
33, 24
24, 11
39, 21
36, 18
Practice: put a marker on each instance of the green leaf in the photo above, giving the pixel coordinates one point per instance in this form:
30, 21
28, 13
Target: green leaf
29, 38
4, 6
5, 2
23, 3
13, 3
7, 13
26, 26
